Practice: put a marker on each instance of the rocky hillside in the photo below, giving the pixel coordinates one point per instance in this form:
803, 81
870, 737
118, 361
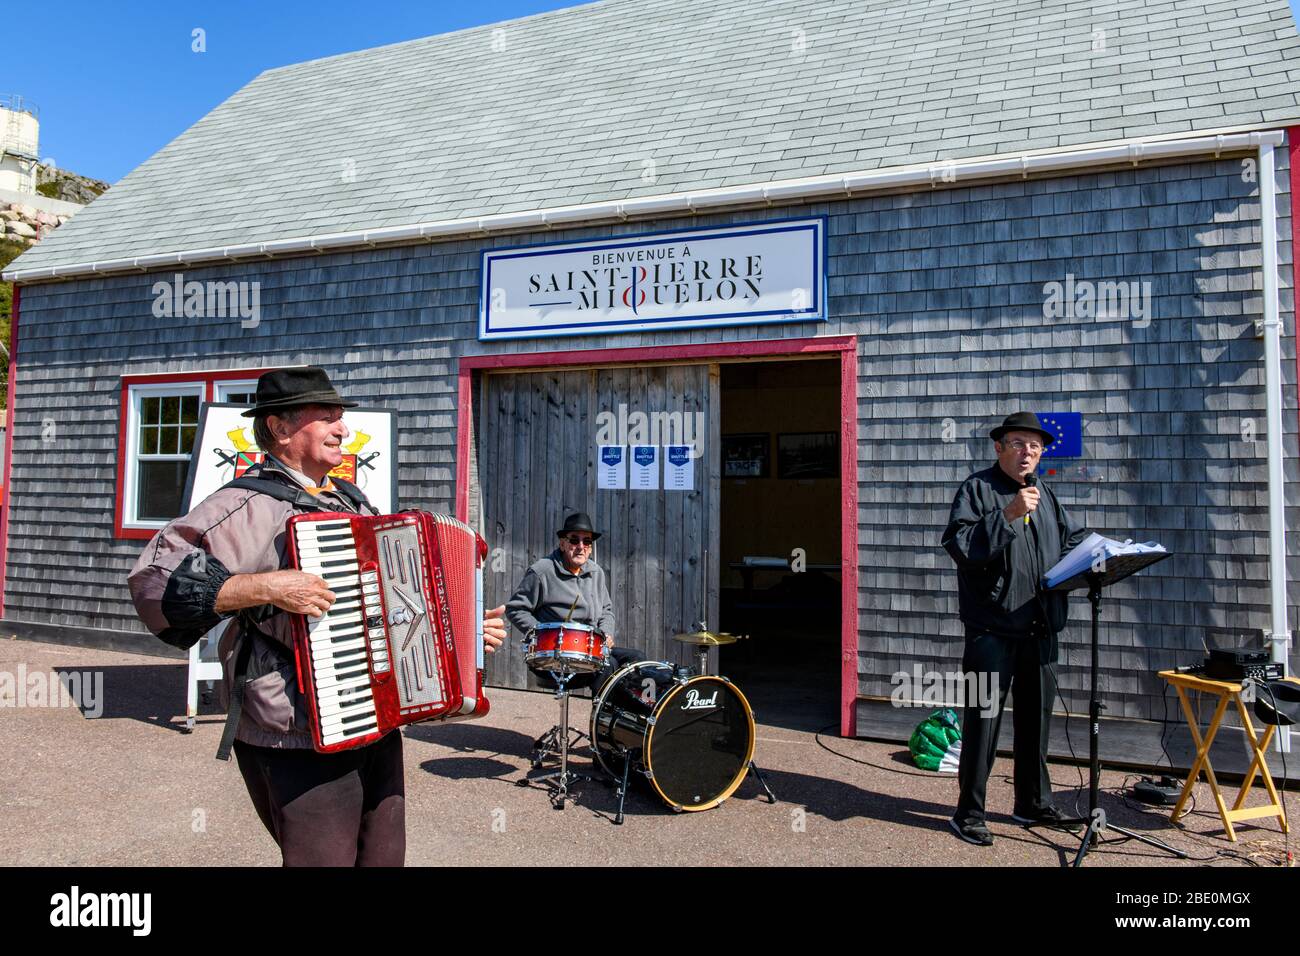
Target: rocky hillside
23, 224
68, 186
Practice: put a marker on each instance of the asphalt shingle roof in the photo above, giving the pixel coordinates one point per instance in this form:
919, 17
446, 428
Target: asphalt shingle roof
628, 98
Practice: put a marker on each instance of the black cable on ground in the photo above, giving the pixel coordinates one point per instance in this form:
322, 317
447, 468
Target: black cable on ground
906, 773
1068, 742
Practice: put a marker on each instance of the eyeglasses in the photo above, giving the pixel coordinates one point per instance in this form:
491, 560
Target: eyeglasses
1022, 446
574, 540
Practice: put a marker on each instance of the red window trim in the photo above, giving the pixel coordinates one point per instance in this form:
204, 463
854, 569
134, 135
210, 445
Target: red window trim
205, 377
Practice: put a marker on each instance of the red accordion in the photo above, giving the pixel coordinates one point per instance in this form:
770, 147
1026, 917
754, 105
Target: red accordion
403, 641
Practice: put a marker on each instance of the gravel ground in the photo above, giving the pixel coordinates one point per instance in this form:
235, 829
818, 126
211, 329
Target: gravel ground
131, 788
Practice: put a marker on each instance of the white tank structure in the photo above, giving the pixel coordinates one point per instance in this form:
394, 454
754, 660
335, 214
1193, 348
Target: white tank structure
19, 141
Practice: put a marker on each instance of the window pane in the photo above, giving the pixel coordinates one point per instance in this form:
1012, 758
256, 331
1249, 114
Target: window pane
241, 398
148, 440
149, 408
161, 487
187, 438
190, 410
169, 442
171, 409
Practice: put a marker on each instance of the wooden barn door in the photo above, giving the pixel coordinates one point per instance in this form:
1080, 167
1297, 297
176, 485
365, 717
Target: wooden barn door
536, 462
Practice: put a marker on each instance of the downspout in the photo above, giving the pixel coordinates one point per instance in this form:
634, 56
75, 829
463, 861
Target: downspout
1278, 635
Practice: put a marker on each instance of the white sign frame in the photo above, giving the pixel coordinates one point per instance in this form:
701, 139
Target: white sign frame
561, 318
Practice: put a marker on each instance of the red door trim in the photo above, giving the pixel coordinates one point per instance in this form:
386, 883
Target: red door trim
845, 345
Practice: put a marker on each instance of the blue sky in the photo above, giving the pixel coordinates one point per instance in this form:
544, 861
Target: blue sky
119, 80
125, 80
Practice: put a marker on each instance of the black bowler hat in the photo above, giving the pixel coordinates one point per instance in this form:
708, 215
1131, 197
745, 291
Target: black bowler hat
1022, 422
285, 388
578, 522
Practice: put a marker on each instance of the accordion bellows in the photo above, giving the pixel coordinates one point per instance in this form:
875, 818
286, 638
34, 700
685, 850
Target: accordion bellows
403, 641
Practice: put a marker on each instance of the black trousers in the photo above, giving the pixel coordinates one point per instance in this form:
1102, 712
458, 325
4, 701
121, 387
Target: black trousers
1019, 662
340, 809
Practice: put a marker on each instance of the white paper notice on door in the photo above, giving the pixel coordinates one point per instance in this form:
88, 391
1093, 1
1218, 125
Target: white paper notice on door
613, 467
679, 468
645, 466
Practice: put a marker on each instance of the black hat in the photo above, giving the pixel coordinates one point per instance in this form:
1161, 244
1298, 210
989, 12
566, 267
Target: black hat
285, 388
1278, 703
1022, 422
578, 522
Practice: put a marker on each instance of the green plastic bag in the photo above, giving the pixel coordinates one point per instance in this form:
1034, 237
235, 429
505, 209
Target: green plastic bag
936, 742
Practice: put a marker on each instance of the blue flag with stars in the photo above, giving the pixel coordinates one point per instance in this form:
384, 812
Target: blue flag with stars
1068, 429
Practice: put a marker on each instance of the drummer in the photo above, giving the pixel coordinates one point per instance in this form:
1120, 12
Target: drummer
567, 586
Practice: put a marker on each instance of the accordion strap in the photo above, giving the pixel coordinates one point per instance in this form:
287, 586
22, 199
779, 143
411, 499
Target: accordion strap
239, 679
299, 497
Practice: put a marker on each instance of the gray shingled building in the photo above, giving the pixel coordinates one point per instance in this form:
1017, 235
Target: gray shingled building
949, 212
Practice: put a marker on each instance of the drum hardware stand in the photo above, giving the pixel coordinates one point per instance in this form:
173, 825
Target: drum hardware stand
548, 744
753, 768
562, 778
621, 793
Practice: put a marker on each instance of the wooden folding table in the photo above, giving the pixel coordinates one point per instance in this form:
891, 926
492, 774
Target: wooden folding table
1225, 691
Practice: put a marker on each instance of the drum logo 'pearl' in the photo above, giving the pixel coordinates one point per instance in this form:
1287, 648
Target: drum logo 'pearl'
695, 702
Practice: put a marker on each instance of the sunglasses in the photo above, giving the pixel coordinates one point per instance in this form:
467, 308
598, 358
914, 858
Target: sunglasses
575, 540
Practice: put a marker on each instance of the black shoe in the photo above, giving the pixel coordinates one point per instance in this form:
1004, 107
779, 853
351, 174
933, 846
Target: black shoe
976, 833
1048, 816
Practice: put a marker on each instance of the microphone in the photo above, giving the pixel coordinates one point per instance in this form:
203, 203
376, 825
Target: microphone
1031, 480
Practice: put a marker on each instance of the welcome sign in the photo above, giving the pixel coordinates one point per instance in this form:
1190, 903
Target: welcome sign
734, 275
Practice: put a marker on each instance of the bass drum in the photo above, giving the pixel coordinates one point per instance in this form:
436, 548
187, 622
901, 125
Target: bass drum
692, 738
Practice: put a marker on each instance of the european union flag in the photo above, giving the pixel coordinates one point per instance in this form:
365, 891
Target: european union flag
1068, 429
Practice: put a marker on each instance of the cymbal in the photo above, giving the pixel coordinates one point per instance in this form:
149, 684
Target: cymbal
706, 638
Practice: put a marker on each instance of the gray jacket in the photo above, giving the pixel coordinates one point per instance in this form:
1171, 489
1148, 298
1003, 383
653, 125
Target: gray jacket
548, 589
174, 585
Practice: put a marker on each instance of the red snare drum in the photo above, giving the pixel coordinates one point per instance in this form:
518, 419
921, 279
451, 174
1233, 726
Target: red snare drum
575, 647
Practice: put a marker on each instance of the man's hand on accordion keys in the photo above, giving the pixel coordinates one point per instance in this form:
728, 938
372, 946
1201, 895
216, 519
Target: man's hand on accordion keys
494, 629
298, 592
289, 590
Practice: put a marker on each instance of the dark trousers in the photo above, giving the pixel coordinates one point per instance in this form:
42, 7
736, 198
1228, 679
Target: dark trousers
341, 809
1017, 661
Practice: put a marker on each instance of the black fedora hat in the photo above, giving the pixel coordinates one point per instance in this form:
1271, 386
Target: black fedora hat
578, 522
1022, 422
285, 388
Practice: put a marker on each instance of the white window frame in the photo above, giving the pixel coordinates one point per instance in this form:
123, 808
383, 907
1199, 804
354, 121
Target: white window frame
224, 388
130, 482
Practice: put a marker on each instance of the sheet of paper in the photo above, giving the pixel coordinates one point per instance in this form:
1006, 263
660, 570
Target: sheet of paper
645, 467
613, 467
679, 468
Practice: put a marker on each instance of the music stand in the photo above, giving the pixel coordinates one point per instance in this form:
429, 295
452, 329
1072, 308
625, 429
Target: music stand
1115, 569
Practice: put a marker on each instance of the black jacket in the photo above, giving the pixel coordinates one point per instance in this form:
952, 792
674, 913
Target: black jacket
1000, 564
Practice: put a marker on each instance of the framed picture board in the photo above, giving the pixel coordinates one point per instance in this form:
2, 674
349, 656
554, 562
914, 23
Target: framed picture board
746, 455
804, 455
225, 448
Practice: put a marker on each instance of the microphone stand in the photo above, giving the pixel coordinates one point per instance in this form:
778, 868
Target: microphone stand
1095, 821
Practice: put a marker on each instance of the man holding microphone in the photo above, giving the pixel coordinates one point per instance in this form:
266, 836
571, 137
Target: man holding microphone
1004, 532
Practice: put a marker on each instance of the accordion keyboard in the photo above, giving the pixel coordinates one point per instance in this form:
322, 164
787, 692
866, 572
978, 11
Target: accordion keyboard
339, 639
